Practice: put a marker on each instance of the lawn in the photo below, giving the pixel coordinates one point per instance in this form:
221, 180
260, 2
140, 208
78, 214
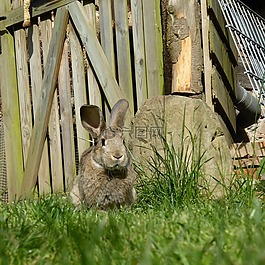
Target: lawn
171, 223
52, 231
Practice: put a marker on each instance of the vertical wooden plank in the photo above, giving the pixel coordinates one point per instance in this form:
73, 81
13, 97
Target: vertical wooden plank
153, 47
139, 51
36, 80
106, 32
66, 118
46, 97
93, 89
54, 126
79, 87
23, 85
10, 108
107, 38
123, 50
207, 64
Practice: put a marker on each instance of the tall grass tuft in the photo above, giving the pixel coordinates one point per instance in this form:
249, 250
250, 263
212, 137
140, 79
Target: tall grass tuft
172, 177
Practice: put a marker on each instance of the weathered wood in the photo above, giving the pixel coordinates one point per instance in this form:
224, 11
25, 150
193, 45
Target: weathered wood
123, 50
54, 126
10, 110
218, 19
96, 55
23, 89
106, 32
221, 59
79, 87
94, 95
44, 108
44, 184
185, 46
221, 94
207, 64
139, 51
38, 7
153, 47
182, 70
66, 119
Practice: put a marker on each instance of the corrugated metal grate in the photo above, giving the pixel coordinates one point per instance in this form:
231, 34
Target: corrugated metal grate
248, 32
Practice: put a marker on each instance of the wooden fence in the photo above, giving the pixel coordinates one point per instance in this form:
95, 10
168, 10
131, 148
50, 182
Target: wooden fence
72, 54
220, 61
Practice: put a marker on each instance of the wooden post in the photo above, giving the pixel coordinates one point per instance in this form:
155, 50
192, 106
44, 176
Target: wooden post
184, 41
10, 108
46, 97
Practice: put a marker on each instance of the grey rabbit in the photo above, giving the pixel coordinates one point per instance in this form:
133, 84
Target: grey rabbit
106, 176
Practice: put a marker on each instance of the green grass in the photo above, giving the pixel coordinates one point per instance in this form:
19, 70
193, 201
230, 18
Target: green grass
171, 223
51, 231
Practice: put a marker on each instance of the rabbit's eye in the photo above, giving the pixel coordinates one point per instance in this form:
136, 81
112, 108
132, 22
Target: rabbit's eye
103, 142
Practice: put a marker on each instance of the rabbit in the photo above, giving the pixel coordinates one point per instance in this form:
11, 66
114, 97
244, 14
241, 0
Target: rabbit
106, 175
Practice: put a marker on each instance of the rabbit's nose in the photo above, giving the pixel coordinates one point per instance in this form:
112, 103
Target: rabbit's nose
117, 156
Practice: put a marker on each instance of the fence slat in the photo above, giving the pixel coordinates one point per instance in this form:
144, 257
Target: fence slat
66, 118
36, 80
79, 87
96, 55
139, 51
23, 86
10, 108
54, 126
153, 47
44, 108
93, 89
207, 63
23, 90
123, 50
106, 32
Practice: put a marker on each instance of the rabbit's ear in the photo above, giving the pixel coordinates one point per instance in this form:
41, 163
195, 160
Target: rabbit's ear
118, 112
92, 119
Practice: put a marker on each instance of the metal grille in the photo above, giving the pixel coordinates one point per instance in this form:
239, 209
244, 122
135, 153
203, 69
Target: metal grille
248, 32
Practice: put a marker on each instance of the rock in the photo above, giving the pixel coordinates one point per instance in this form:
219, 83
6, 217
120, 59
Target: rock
187, 123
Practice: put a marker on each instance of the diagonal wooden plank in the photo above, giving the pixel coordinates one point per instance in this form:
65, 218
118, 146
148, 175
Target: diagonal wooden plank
38, 7
36, 80
46, 96
56, 164
95, 53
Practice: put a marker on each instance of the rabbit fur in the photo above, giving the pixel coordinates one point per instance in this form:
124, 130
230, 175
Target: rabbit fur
106, 176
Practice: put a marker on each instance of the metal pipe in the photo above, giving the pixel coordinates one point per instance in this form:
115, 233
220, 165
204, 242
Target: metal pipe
248, 106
